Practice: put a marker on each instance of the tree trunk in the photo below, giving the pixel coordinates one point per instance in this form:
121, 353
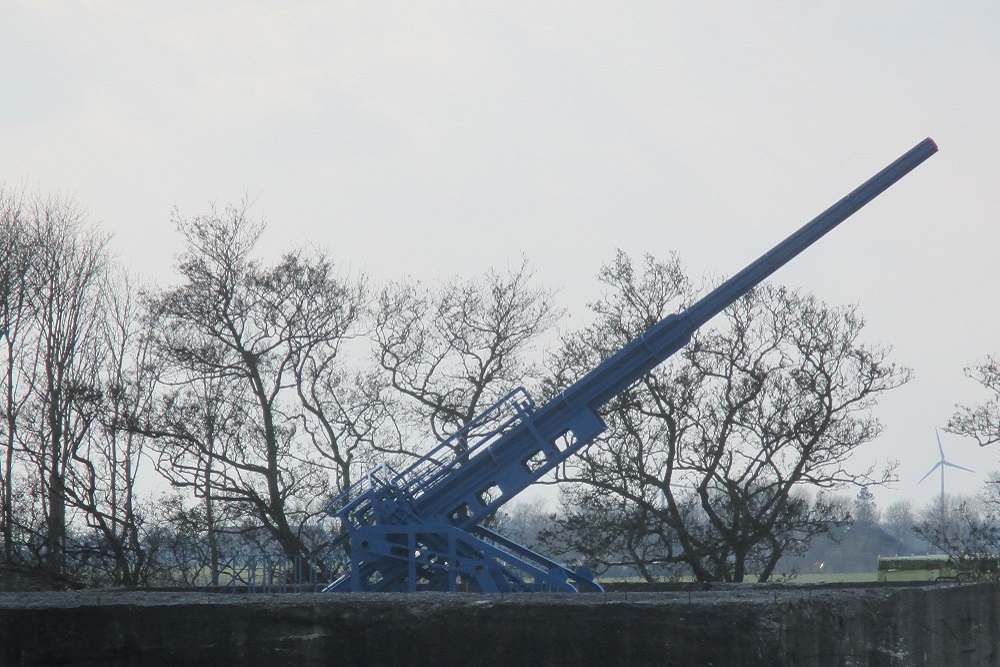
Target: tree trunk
7, 490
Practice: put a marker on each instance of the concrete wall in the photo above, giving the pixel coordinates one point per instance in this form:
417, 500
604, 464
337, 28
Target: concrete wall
738, 625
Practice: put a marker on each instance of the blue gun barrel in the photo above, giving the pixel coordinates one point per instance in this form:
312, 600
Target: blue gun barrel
575, 410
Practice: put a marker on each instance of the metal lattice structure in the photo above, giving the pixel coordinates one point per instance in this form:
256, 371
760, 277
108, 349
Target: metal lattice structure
422, 528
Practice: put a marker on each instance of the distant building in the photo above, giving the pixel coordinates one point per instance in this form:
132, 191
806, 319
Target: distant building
847, 548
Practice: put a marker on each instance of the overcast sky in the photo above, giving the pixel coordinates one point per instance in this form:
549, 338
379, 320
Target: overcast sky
432, 138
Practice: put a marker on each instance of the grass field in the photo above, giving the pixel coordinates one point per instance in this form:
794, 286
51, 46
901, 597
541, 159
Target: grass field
810, 578
833, 578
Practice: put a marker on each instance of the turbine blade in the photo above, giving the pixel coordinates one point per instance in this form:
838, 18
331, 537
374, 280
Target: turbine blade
955, 465
936, 466
940, 448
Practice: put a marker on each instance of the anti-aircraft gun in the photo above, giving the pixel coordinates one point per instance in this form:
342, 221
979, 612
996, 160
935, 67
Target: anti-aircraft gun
422, 528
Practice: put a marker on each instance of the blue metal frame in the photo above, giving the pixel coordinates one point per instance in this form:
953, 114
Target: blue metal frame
420, 529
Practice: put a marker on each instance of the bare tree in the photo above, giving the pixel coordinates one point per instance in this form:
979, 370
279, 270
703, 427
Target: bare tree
17, 250
601, 531
68, 269
980, 421
199, 429
710, 448
101, 482
898, 520
523, 521
345, 415
451, 352
967, 528
234, 340
968, 532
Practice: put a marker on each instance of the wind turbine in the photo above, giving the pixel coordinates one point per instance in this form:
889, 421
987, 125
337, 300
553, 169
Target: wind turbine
942, 464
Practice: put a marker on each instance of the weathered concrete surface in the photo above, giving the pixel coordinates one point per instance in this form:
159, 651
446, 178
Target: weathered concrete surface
736, 625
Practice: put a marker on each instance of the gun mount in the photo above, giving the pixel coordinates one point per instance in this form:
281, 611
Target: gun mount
421, 528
